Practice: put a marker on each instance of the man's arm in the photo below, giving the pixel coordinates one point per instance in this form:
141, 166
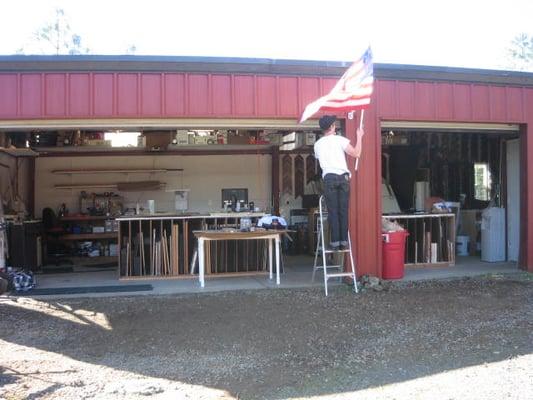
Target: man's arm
355, 151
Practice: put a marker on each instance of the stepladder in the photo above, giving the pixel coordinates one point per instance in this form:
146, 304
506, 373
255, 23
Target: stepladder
331, 261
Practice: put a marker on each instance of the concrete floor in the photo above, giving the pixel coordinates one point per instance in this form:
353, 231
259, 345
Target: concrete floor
464, 267
298, 274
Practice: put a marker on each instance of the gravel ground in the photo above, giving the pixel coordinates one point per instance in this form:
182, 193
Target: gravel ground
458, 339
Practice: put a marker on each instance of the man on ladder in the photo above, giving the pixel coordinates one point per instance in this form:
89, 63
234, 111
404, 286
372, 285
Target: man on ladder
330, 151
352, 92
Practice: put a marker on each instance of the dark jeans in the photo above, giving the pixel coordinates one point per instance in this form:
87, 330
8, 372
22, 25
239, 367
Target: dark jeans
337, 194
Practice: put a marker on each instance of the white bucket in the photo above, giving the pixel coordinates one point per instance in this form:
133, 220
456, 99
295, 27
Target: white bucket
462, 245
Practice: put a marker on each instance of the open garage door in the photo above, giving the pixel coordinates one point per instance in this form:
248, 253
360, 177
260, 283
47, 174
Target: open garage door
464, 168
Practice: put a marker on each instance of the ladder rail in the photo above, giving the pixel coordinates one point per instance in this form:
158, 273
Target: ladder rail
321, 246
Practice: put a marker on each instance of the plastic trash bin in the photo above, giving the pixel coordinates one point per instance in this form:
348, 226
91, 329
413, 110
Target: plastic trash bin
394, 254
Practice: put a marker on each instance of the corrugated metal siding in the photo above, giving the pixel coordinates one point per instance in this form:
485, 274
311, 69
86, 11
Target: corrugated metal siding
527, 190
30, 94
140, 95
151, 95
8, 95
174, 99
79, 95
426, 101
210, 95
103, 95
461, 102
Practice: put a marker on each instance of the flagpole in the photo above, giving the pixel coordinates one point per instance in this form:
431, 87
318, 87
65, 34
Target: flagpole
360, 127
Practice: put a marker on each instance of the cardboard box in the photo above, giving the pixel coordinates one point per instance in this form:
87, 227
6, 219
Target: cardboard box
113, 250
275, 139
98, 142
158, 139
201, 139
310, 138
240, 137
182, 137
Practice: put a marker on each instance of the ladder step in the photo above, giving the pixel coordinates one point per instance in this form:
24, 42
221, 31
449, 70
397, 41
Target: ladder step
339, 275
329, 266
337, 251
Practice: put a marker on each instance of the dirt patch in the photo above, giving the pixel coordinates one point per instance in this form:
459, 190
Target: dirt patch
402, 342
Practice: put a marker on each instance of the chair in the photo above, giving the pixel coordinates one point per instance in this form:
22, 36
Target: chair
54, 250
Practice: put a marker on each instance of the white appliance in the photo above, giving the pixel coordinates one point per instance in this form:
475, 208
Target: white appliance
493, 234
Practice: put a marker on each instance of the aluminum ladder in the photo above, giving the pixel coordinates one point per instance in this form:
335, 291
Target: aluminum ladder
320, 247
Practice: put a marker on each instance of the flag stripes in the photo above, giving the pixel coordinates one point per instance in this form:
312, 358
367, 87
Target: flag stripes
353, 90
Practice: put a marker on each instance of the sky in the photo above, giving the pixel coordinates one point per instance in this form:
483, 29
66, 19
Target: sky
467, 33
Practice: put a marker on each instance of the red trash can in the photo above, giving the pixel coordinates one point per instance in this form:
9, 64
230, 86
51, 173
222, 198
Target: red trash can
394, 254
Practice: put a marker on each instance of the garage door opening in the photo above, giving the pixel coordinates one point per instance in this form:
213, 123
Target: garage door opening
456, 190
95, 185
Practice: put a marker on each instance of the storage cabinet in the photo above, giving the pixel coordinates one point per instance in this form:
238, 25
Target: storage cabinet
25, 245
164, 247
431, 240
101, 231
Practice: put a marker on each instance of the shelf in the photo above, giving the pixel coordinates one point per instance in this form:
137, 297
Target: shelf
144, 150
70, 218
19, 152
87, 186
113, 171
89, 236
121, 186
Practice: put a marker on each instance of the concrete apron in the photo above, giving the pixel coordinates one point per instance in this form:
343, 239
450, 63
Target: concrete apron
297, 275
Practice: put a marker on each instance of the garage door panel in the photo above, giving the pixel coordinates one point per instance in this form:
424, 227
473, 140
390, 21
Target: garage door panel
8, 92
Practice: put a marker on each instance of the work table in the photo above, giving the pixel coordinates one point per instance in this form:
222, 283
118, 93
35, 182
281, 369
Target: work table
162, 245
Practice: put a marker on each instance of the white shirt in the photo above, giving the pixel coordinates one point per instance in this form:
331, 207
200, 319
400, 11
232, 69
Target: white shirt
329, 150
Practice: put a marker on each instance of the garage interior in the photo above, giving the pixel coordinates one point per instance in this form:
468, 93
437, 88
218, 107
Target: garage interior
84, 178
470, 172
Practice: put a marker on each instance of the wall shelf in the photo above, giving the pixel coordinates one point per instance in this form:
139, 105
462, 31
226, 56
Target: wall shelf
121, 186
73, 218
89, 236
113, 171
208, 149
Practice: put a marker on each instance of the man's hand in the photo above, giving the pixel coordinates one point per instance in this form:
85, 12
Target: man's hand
355, 151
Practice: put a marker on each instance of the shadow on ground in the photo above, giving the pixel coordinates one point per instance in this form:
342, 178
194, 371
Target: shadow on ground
280, 343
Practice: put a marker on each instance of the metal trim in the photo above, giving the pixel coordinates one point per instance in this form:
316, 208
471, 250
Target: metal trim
152, 124
469, 126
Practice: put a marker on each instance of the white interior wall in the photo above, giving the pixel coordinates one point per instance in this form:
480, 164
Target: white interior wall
205, 176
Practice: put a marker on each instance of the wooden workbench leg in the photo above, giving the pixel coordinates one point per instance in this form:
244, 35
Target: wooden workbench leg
201, 261
278, 243
119, 246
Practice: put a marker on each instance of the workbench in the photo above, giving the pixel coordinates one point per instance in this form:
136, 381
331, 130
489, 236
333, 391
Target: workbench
272, 236
162, 245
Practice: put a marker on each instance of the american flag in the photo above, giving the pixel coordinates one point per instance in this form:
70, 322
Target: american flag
352, 91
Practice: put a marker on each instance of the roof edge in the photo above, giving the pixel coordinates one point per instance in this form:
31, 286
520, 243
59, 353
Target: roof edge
131, 63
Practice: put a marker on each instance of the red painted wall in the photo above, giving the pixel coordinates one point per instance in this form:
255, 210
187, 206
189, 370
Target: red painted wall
76, 95
460, 102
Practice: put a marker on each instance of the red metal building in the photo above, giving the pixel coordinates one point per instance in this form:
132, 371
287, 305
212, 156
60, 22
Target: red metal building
83, 91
